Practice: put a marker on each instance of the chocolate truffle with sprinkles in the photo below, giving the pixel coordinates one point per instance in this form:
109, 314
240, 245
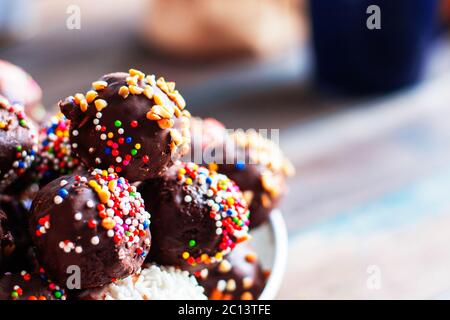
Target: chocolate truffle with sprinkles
237, 277
55, 157
198, 216
18, 142
29, 286
97, 222
259, 168
129, 123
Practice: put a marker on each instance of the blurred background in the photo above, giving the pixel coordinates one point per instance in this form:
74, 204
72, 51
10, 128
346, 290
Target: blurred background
359, 89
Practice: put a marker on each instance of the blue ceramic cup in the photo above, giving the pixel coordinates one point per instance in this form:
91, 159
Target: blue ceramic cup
370, 46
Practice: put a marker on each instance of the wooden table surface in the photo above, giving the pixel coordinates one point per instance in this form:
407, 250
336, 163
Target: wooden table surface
370, 198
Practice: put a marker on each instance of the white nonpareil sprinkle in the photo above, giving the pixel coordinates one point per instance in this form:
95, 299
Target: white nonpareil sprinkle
155, 283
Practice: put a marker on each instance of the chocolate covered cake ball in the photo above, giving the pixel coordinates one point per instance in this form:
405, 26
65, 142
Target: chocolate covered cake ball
19, 87
129, 123
96, 222
16, 247
18, 142
238, 277
29, 286
198, 216
259, 168
55, 157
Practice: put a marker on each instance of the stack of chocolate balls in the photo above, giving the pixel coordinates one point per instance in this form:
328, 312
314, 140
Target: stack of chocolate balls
101, 192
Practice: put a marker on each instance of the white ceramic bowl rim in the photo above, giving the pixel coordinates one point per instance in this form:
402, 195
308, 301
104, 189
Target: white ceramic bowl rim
280, 236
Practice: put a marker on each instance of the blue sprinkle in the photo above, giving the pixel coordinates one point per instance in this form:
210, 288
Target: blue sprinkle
63, 193
229, 212
146, 224
240, 165
21, 164
107, 150
208, 180
128, 140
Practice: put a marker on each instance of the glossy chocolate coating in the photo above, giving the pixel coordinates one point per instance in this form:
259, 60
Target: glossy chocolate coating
156, 151
17, 247
75, 235
238, 277
175, 221
5, 236
29, 286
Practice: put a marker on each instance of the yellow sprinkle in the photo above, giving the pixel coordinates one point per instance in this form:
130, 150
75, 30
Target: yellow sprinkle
91, 95
166, 123
230, 201
110, 135
148, 91
161, 83
135, 89
78, 97
151, 79
100, 104
132, 81
137, 146
104, 195
134, 72
204, 257
219, 256
84, 105
158, 99
185, 255
99, 85
171, 86
178, 98
124, 92
112, 185
188, 181
153, 116
108, 223
213, 166
182, 171
93, 184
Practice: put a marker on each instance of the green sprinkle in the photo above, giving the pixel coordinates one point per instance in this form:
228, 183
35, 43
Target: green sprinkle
133, 152
118, 123
192, 243
19, 148
22, 122
58, 294
14, 294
